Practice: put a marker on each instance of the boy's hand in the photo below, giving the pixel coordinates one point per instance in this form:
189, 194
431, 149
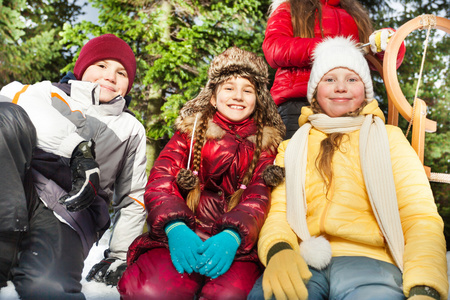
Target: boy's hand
217, 253
85, 178
108, 270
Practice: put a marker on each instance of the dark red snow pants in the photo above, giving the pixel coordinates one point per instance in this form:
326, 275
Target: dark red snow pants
153, 276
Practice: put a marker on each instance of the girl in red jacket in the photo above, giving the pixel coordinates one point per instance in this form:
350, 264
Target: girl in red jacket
206, 197
294, 29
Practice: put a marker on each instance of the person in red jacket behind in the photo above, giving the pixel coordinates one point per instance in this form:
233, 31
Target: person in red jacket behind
294, 29
206, 197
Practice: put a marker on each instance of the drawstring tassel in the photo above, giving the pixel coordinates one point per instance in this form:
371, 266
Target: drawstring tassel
187, 179
273, 175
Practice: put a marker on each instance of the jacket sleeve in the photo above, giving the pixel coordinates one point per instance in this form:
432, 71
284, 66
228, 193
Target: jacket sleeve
250, 213
163, 199
56, 134
425, 248
276, 229
128, 201
281, 48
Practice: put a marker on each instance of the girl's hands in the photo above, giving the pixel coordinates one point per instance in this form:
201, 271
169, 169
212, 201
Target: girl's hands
189, 254
183, 245
217, 253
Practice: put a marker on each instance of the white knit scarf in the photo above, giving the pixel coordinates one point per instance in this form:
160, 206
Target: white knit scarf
376, 168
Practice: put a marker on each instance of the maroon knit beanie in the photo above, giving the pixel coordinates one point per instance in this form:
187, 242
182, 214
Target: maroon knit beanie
107, 46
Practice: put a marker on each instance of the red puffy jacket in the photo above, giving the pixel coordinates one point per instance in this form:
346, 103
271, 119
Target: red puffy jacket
292, 55
225, 158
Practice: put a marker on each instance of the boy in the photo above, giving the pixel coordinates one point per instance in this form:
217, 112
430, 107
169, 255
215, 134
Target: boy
74, 182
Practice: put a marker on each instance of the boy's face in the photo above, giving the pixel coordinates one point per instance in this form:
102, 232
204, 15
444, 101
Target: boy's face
235, 99
110, 75
340, 91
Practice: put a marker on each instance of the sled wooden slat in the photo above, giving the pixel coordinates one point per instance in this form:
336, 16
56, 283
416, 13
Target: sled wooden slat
389, 67
397, 101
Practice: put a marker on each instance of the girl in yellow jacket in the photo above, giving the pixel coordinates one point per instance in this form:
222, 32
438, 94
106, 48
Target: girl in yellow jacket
355, 217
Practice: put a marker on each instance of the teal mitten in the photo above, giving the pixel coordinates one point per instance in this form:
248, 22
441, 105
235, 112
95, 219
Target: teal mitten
217, 253
183, 244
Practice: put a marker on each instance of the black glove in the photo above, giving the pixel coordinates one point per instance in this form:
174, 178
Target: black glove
85, 178
108, 270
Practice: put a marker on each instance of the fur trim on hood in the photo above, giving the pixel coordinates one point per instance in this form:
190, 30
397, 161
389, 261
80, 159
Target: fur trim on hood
271, 137
274, 5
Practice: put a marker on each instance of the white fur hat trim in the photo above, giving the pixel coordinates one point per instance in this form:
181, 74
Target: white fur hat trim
316, 251
339, 52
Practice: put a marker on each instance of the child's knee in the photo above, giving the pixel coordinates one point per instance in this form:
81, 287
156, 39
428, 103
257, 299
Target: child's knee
217, 290
153, 276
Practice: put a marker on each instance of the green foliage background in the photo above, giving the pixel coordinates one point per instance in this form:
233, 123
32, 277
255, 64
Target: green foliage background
174, 41
31, 48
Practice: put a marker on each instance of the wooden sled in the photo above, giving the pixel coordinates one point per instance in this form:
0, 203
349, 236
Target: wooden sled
397, 102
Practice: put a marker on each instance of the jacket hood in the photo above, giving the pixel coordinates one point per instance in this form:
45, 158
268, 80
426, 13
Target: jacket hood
274, 5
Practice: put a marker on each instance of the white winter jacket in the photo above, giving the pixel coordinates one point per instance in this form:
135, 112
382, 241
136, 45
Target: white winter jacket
62, 122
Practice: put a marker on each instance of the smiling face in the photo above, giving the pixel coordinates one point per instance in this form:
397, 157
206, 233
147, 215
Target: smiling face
110, 75
235, 99
340, 91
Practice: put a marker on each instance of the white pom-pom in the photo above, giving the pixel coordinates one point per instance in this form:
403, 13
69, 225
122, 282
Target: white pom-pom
316, 251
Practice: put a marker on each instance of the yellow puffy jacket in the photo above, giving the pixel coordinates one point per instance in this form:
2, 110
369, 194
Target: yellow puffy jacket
344, 214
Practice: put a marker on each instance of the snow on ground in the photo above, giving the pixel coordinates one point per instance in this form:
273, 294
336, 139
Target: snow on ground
100, 291
92, 290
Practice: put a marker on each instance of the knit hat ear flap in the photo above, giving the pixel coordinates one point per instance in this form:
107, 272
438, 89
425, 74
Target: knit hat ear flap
196, 105
339, 52
270, 112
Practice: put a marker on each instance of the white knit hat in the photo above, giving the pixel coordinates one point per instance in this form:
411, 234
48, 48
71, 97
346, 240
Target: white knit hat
339, 52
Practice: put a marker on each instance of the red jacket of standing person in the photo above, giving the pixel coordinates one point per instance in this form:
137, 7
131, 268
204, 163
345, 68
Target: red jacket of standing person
291, 56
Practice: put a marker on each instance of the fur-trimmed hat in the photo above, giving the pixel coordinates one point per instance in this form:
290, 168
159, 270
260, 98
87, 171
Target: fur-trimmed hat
235, 62
107, 46
339, 52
